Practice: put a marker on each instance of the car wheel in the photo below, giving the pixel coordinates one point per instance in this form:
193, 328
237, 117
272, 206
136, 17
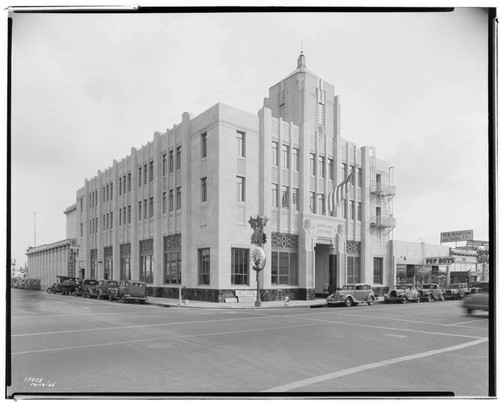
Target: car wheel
124, 298
418, 299
430, 298
50, 290
442, 298
348, 302
371, 300
404, 299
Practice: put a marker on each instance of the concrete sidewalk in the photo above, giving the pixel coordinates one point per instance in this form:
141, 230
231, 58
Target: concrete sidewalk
165, 302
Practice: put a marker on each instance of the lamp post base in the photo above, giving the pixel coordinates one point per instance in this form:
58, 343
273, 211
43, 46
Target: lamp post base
258, 303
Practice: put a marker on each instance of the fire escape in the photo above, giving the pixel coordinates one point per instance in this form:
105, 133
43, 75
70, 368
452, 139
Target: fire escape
383, 192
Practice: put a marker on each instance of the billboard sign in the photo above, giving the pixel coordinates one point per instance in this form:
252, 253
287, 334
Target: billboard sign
478, 243
440, 260
461, 235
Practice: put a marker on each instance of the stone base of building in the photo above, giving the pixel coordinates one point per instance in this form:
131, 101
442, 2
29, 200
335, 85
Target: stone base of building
220, 295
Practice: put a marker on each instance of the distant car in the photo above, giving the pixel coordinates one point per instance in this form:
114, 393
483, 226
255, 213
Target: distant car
128, 290
352, 294
402, 294
103, 285
477, 301
477, 286
88, 288
457, 291
431, 292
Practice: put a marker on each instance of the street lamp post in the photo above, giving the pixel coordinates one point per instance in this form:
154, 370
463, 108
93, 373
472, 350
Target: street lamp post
257, 253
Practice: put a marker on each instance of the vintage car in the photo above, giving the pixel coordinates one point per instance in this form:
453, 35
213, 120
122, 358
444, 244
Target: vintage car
477, 301
70, 286
352, 294
478, 286
88, 288
128, 290
102, 287
431, 292
402, 294
32, 284
457, 291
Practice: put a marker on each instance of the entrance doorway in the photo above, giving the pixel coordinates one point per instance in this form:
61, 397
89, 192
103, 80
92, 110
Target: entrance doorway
325, 271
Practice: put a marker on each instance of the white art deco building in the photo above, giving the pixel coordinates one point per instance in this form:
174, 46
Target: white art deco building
175, 212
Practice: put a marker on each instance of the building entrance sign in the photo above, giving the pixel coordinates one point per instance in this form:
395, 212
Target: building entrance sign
462, 235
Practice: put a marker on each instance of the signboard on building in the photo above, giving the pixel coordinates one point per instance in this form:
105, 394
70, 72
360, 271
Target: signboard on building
461, 235
478, 243
440, 260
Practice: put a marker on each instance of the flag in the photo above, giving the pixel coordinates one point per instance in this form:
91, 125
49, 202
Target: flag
338, 194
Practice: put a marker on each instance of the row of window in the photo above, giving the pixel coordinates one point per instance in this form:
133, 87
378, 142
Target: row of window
284, 268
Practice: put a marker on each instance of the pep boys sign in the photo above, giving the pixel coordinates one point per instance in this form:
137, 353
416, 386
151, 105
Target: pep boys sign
440, 260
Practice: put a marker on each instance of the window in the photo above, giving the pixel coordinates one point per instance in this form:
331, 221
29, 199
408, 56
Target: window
239, 266
111, 220
145, 209
286, 156
285, 192
125, 273
240, 188
178, 198
172, 268
275, 154
284, 268
129, 213
151, 168
81, 204
146, 268
164, 164
351, 209
204, 266
378, 265
111, 191
103, 194
170, 161
129, 182
344, 171
321, 204
295, 199
274, 194
151, 209
81, 229
171, 200
203, 139
120, 186
358, 212
108, 269
204, 189
178, 158
359, 178
312, 202
139, 175
353, 269
240, 137
120, 217
140, 210
330, 169
145, 173
321, 166
104, 222
296, 159
164, 203
312, 164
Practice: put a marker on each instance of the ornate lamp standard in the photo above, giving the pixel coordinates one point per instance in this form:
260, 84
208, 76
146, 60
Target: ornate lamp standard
257, 253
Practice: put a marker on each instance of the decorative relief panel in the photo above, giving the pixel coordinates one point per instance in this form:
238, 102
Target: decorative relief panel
93, 254
146, 247
108, 253
172, 242
125, 250
353, 247
284, 240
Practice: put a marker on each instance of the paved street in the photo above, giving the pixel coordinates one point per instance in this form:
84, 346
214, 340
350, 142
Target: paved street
64, 344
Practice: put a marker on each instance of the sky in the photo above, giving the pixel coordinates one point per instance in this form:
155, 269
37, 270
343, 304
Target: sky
86, 88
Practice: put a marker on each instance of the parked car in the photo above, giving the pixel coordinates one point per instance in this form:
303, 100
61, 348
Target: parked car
352, 294
69, 286
457, 291
88, 288
477, 286
477, 301
431, 292
56, 286
102, 287
402, 294
32, 284
128, 290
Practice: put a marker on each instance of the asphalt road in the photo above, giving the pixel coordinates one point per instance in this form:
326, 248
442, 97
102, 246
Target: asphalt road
64, 344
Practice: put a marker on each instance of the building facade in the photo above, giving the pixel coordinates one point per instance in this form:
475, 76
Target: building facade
175, 212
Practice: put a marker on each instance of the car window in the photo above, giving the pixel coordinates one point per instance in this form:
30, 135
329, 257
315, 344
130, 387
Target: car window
359, 287
367, 287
